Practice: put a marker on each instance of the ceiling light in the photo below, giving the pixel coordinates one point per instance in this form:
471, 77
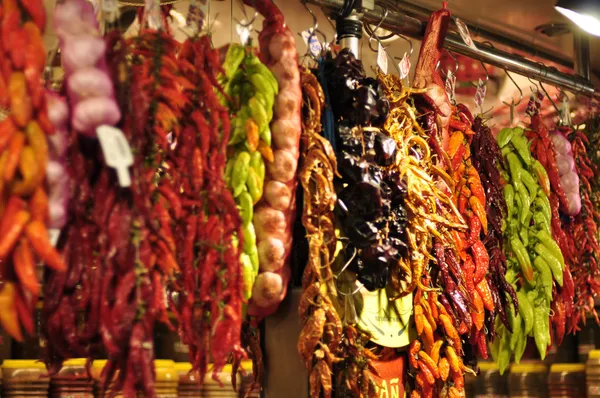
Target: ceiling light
584, 13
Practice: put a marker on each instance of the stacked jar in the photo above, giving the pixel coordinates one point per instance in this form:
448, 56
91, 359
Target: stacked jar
213, 389
528, 380
189, 383
25, 378
567, 380
99, 392
72, 380
490, 383
167, 379
592, 374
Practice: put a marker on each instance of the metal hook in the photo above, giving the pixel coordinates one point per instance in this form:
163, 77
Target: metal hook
313, 33
455, 64
314, 17
518, 88
249, 22
373, 34
551, 101
534, 88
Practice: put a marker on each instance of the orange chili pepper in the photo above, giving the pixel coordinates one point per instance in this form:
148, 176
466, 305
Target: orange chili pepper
8, 311
36, 139
462, 328
13, 206
415, 347
456, 140
479, 210
252, 135
432, 299
265, 151
454, 392
435, 351
7, 131
428, 361
13, 232
427, 333
453, 359
475, 186
478, 312
4, 97
25, 267
17, 143
459, 380
24, 313
44, 121
483, 288
166, 261
419, 318
451, 330
427, 313
444, 368
415, 394
20, 102
427, 374
38, 205
420, 379
38, 237
29, 169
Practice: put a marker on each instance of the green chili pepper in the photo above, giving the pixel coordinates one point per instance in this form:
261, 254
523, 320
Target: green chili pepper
262, 70
246, 208
260, 83
504, 353
249, 238
530, 183
540, 327
240, 173
511, 276
266, 102
540, 222
506, 150
526, 311
504, 136
524, 235
254, 258
521, 144
546, 238
258, 164
509, 197
255, 186
265, 135
228, 171
543, 204
553, 262
258, 113
520, 348
515, 167
542, 176
248, 275
522, 258
239, 126
546, 276
525, 203
517, 333
233, 59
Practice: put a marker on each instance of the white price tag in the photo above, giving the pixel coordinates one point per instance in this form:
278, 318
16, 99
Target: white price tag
196, 17
53, 235
480, 93
382, 60
404, 66
153, 16
243, 32
450, 85
117, 152
312, 42
464, 34
110, 10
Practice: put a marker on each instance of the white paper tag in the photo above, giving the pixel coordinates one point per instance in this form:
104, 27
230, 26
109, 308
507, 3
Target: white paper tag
243, 32
110, 10
480, 93
404, 66
450, 85
464, 33
153, 16
117, 152
312, 42
53, 235
196, 17
382, 60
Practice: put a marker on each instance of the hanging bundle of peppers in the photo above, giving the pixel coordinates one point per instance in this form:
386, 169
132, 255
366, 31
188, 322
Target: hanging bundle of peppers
25, 131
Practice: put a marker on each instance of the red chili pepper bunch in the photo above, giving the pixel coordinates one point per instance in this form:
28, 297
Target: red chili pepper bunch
543, 150
470, 199
583, 230
24, 130
488, 161
210, 239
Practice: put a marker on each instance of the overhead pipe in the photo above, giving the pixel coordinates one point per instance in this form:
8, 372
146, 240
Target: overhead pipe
581, 49
412, 27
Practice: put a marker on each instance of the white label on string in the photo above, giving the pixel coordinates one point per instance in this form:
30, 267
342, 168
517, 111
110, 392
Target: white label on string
464, 33
243, 31
153, 16
117, 152
110, 10
404, 66
312, 42
53, 235
450, 85
382, 60
480, 93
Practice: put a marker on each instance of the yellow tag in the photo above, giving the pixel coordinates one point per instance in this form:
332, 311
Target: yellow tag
387, 321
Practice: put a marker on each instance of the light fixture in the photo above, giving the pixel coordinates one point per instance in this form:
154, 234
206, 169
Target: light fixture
584, 13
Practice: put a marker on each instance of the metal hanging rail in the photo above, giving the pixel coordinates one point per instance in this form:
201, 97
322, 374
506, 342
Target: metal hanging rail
408, 26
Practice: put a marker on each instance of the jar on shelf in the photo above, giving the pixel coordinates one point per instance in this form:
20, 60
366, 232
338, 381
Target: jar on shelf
528, 380
167, 378
189, 383
490, 383
592, 374
567, 380
72, 381
588, 339
24, 378
212, 389
99, 392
